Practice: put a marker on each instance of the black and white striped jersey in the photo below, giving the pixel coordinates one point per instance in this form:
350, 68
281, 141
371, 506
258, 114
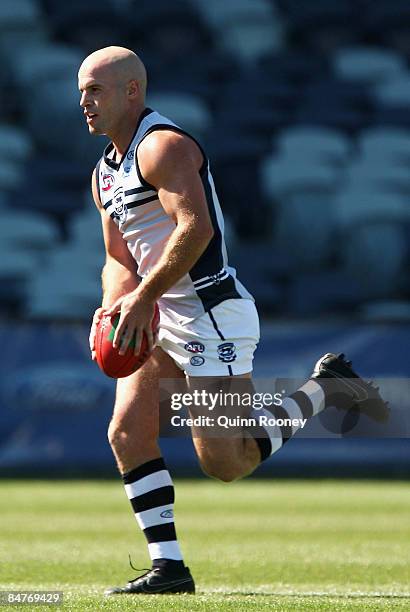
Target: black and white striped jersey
134, 206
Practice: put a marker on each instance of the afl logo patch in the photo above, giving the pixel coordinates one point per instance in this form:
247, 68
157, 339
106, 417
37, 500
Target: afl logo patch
194, 347
130, 155
197, 360
227, 352
107, 182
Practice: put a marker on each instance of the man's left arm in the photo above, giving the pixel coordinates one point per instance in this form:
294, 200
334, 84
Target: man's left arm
170, 162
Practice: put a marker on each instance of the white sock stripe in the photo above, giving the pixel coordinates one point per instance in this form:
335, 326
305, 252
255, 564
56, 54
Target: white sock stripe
152, 517
274, 432
165, 550
148, 483
316, 395
276, 444
293, 410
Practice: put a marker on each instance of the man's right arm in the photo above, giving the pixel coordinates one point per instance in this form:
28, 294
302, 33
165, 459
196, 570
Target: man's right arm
119, 275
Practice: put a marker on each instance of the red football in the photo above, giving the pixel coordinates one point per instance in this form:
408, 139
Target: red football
108, 358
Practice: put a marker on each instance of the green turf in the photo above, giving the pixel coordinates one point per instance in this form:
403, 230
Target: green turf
252, 545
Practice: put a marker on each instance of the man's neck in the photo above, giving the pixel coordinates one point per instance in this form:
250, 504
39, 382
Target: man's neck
122, 138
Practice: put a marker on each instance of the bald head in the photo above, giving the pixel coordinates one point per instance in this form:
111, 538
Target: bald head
116, 63
112, 83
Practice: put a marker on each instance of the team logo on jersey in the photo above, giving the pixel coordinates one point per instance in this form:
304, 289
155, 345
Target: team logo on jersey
227, 352
120, 208
197, 360
130, 155
194, 347
107, 182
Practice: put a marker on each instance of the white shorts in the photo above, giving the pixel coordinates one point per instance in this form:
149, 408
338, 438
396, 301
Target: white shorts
221, 342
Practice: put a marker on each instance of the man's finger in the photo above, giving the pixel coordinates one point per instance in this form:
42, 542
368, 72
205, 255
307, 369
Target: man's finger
93, 331
124, 341
120, 329
150, 338
116, 307
138, 339
91, 339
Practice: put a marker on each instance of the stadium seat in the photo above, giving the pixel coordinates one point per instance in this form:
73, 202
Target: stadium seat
235, 160
17, 267
54, 172
174, 31
58, 205
11, 175
294, 67
372, 231
29, 232
76, 298
21, 12
373, 173
219, 14
282, 176
383, 16
347, 120
250, 93
250, 41
389, 145
305, 220
375, 253
322, 26
392, 116
357, 206
21, 25
89, 25
85, 230
70, 286
394, 92
15, 143
313, 142
337, 94
367, 64
259, 123
188, 111
56, 104
16, 264
249, 28
39, 63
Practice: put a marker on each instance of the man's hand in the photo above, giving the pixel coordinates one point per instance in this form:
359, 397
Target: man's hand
136, 316
98, 315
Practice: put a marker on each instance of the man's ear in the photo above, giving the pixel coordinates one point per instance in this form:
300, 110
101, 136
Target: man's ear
133, 89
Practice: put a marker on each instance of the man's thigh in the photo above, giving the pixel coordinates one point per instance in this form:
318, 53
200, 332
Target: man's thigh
137, 396
225, 448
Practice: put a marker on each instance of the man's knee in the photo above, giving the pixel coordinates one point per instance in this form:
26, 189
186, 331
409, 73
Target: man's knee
122, 436
220, 470
116, 433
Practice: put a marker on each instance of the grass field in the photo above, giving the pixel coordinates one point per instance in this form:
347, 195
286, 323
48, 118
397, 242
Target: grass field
253, 545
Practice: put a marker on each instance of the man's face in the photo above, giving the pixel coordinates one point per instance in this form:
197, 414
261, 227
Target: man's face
102, 100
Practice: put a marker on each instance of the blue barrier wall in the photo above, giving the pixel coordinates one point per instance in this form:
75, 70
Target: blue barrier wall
55, 404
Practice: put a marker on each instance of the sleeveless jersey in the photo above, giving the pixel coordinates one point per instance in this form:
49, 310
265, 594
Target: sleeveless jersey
134, 206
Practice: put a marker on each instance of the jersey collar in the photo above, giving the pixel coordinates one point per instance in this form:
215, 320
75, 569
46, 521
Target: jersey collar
110, 147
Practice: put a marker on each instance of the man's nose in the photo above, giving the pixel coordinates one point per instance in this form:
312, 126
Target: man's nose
83, 100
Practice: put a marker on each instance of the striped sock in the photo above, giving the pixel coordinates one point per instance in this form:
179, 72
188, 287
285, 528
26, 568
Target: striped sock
303, 404
151, 493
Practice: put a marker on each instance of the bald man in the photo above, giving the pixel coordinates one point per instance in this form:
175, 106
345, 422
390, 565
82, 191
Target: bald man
163, 233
